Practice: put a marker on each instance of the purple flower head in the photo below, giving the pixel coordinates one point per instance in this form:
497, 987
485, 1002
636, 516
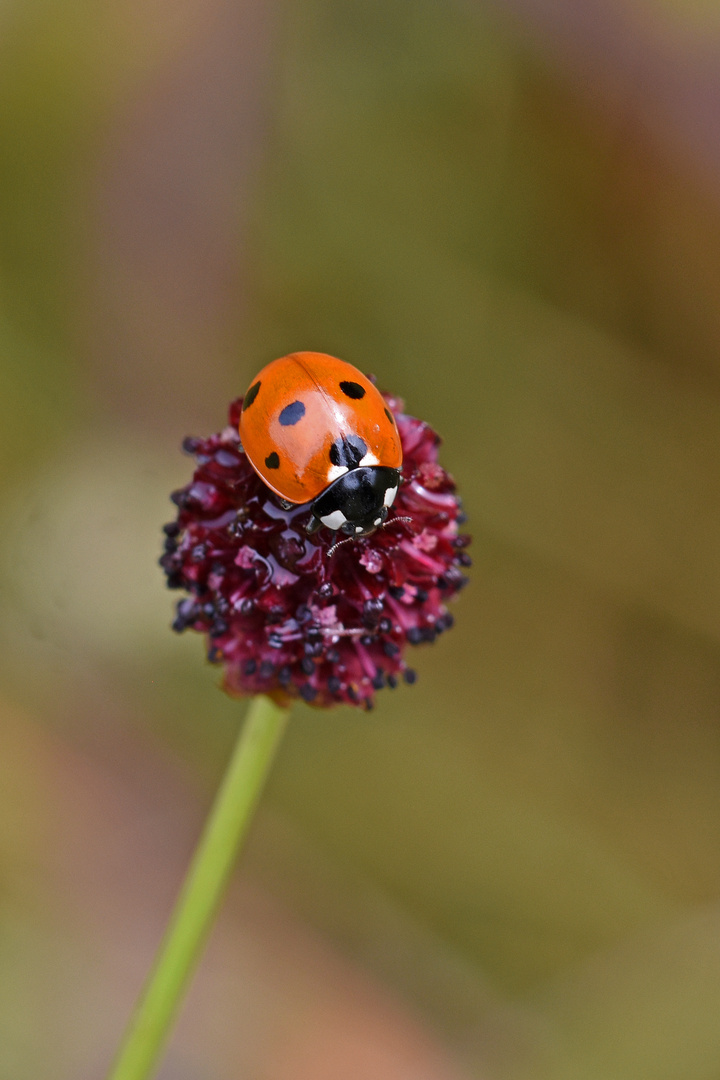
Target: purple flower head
293, 615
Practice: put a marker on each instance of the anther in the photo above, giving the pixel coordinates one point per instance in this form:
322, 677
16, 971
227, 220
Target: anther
372, 609
190, 444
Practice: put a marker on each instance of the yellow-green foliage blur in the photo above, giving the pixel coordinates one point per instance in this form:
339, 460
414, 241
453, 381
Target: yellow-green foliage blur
510, 215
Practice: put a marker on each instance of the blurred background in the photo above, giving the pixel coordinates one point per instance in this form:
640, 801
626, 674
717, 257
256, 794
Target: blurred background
510, 212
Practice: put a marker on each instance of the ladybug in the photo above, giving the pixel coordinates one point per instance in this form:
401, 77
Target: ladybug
316, 430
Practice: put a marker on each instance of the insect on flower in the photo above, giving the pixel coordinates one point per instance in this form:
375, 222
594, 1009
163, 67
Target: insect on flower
313, 450
317, 431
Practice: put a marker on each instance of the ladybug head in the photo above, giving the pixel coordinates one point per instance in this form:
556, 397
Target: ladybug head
357, 502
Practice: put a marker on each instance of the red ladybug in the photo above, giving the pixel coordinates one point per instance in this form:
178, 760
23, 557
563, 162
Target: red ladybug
316, 430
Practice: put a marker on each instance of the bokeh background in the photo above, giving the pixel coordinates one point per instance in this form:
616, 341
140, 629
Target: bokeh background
510, 212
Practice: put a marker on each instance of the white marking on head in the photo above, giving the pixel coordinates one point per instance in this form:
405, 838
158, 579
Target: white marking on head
336, 470
390, 496
336, 520
358, 528
377, 521
370, 459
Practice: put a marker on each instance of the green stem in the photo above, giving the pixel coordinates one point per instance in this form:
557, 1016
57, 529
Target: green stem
202, 892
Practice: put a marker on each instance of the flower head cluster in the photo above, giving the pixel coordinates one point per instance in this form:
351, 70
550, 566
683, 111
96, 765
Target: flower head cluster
288, 614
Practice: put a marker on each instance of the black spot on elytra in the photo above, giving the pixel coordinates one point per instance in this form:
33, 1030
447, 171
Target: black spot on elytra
353, 390
272, 461
389, 416
251, 395
348, 451
292, 413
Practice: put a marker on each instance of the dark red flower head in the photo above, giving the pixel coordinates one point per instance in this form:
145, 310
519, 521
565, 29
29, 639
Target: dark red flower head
282, 614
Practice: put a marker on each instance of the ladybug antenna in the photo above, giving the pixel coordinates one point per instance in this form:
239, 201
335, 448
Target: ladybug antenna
348, 539
333, 549
393, 521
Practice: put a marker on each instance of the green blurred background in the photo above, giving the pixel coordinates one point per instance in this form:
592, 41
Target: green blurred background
511, 214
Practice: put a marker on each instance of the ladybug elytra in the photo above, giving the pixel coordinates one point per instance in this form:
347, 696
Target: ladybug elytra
316, 430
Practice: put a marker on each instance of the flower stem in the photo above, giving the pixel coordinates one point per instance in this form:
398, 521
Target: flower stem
202, 892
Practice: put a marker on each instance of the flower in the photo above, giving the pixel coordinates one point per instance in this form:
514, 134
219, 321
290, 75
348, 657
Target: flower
293, 615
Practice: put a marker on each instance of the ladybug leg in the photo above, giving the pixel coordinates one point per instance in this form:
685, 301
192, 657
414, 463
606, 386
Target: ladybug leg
313, 525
